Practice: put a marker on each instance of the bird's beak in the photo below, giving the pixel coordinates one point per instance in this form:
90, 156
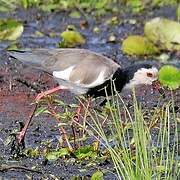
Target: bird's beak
157, 86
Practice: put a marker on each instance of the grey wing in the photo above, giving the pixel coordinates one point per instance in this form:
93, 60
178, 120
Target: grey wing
50, 59
76, 65
87, 74
46, 59
65, 58
56, 58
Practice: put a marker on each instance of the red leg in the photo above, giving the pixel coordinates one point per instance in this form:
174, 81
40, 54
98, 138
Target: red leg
23, 131
45, 93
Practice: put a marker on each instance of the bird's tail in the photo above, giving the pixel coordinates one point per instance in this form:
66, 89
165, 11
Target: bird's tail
28, 57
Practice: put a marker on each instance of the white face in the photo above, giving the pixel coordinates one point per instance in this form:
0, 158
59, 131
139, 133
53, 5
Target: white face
143, 76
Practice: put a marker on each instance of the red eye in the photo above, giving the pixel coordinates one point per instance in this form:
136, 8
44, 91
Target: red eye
149, 74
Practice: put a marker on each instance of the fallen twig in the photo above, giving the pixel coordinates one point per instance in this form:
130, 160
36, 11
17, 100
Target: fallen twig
4, 168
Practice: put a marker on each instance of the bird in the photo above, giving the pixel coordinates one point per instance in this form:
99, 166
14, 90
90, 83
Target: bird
84, 72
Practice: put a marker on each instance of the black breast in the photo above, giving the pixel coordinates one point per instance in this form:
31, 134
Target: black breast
117, 83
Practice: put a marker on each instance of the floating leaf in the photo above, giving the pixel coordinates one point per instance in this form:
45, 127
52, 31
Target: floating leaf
54, 155
75, 14
10, 29
138, 45
71, 37
49, 7
169, 76
98, 175
86, 152
164, 33
136, 5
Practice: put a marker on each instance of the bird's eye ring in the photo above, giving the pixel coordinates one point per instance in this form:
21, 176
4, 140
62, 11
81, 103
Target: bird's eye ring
149, 74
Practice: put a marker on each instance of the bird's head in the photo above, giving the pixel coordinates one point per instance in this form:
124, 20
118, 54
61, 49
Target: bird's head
141, 74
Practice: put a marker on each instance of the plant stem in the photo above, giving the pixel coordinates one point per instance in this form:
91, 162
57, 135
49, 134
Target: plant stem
63, 131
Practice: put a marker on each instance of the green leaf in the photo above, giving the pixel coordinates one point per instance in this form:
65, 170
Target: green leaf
136, 5
24, 4
72, 37
59, 102
54, 155
98, 175
50, 7
75, 14
164, 33
101, 4
10, 29
41, 110
86, 152
138, 45
30, 152
169, 76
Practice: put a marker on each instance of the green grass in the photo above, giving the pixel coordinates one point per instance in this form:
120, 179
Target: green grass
136, 154
140, 146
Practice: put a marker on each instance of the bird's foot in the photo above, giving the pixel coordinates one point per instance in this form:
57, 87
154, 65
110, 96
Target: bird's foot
18, 144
